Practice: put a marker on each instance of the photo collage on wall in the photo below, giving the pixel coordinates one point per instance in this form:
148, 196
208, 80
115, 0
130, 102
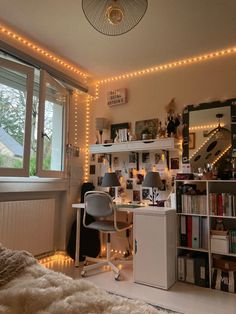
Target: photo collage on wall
125, 166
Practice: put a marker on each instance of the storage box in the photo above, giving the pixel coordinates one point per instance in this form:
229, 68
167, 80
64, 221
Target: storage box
220, 244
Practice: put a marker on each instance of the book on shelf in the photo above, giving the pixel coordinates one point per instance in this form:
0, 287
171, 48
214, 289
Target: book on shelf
222, 204
181, 268
194, 204
201, 271
195, 232
189, 231
190, 270
183, 231
204, 233
232, 241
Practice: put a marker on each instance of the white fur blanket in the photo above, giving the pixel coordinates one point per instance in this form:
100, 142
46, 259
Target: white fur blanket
38, 290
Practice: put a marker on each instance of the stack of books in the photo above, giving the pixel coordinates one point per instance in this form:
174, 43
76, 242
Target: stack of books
194, 204
222, 204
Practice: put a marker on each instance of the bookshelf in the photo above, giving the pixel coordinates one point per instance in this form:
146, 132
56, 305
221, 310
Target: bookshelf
206, 239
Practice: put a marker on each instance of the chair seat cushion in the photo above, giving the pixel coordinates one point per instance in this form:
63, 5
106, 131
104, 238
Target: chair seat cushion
107, 226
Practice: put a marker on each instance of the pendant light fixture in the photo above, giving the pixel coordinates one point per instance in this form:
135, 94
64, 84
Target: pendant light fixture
114, 17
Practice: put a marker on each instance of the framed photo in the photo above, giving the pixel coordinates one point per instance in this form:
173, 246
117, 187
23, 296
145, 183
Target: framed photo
145, 194
136, 196
191, 141
92, 169
174, 163
129, 184
146, 126
116, 127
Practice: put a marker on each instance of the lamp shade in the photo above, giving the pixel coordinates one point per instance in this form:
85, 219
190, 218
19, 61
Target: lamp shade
101, 123
152, 180
110, 179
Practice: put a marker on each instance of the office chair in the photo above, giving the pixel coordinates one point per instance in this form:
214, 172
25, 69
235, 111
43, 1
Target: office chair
99, 205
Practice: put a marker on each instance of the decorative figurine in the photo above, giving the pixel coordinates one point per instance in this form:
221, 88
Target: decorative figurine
116, 139
171, 128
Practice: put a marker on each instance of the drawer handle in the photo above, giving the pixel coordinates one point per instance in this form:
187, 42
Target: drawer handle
106, 145
147, 142
135, 246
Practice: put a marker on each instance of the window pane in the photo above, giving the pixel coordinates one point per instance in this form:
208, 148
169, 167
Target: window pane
53, 142
12, 118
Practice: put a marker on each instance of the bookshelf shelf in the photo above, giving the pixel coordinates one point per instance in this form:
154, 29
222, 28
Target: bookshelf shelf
187, 214
222, 217
204, 207
192, 249
224, 254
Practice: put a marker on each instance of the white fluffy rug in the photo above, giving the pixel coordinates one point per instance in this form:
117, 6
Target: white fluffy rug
41, 291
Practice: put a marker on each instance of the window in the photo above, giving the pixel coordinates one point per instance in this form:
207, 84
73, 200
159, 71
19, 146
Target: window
32, 121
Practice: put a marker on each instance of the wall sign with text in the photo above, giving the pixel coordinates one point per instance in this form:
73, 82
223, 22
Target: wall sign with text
117, 97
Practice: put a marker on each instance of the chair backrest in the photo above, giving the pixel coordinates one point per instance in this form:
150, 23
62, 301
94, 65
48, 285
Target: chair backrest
98, 204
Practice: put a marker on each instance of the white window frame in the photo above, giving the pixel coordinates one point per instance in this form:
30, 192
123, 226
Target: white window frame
29, 72
44, 78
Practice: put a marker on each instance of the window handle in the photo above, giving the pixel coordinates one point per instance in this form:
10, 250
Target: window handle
45, 134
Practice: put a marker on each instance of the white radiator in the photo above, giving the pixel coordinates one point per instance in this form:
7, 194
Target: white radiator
28, 225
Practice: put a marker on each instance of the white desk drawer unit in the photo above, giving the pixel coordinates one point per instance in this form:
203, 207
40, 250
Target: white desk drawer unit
155, 246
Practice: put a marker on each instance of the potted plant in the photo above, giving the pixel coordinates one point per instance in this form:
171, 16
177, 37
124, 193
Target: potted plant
146, 134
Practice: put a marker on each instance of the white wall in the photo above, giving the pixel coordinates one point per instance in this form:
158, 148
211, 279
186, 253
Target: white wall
149, 94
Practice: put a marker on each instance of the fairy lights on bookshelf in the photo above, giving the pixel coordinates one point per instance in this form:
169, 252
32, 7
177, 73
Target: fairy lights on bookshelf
36, 48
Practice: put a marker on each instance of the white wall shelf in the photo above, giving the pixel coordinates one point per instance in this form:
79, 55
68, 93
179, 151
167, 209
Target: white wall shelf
136, 146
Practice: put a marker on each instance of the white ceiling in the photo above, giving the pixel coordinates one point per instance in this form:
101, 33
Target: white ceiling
170, 30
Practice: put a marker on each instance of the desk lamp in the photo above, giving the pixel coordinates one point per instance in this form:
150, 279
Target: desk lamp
153, 180
110, 179
101, 124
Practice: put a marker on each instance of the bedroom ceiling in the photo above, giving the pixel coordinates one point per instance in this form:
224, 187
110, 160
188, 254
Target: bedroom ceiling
170, 30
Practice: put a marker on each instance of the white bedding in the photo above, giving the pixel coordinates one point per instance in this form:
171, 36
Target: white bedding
37, 290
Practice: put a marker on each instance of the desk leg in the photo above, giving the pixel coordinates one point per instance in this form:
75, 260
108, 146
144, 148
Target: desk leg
77, 244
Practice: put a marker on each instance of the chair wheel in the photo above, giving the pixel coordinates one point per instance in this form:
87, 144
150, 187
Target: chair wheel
83, 273
117, 277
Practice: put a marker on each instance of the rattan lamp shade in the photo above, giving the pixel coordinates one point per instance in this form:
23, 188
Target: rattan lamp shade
114, 17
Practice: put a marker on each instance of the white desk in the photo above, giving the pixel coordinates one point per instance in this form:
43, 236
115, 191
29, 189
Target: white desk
120, 207
154, 244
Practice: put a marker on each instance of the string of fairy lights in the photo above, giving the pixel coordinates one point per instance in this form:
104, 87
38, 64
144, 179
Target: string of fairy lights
36, 48
42, 51
166, 66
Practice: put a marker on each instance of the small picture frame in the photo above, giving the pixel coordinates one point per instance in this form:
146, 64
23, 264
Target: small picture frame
191, 141
116, 127
136, 195
174, 163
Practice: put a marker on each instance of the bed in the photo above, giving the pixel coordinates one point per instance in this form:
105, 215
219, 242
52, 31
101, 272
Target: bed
26, 287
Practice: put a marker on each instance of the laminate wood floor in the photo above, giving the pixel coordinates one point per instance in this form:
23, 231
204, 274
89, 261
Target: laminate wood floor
185, 298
